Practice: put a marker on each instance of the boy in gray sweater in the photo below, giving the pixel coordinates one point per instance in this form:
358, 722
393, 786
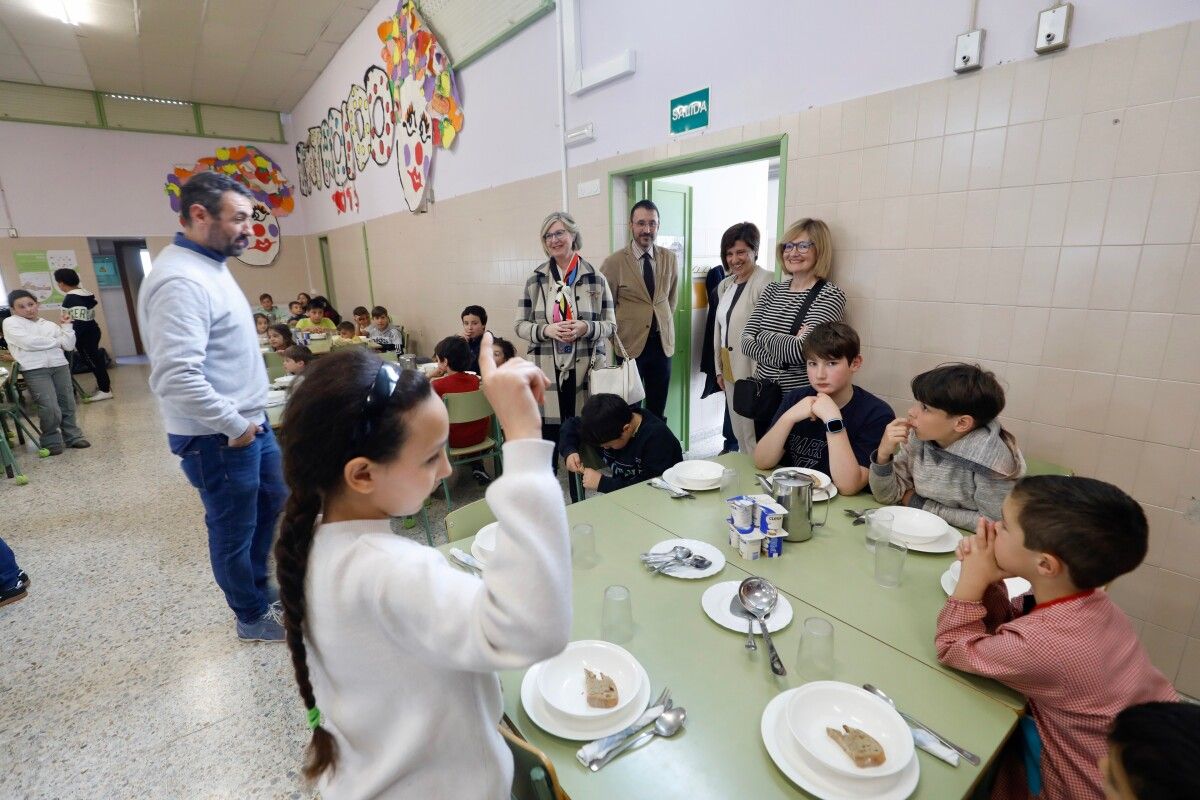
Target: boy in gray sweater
953, 457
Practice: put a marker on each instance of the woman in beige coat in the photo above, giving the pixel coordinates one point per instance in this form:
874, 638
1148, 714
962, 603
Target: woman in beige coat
736, 297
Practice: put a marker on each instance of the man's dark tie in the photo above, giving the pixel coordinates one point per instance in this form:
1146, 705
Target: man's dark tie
648, 274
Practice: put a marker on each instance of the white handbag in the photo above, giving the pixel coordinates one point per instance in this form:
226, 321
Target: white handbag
623, 379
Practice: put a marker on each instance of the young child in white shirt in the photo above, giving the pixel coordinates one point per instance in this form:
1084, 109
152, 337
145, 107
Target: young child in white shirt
395, 651
37, 345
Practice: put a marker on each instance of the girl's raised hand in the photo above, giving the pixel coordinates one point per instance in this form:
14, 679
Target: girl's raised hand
515, 390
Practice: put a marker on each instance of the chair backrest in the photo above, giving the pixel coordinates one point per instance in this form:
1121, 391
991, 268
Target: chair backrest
466, 521
534, 777
274, 362
467, 406
1036, 466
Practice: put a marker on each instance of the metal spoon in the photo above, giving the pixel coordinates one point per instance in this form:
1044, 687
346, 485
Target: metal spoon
667, 725
967, 754
739, 610
759, 597
678, 554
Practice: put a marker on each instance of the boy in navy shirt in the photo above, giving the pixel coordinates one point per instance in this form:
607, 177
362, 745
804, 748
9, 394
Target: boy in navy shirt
81, 305
832, 425
634, 444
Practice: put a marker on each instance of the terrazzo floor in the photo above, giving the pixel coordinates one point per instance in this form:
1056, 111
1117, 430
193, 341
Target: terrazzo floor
121, 675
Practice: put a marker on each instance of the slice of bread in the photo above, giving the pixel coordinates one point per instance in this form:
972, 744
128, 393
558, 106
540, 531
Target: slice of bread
862, 748
601, 691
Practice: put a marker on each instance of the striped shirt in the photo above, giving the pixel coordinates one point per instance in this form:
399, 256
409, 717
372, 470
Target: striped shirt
769, 339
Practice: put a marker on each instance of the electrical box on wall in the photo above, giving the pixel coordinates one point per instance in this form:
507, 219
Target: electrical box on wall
12, 233
1054, 28
968, 55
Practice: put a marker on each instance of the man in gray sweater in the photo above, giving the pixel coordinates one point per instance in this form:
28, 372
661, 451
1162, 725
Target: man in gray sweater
211, 383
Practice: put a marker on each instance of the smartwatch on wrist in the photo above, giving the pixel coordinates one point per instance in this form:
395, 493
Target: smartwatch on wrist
835, 426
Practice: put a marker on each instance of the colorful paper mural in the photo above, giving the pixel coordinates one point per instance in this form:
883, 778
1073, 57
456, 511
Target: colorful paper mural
273, 194
411, 106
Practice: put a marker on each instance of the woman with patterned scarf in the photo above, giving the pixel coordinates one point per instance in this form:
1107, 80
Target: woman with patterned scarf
566, 314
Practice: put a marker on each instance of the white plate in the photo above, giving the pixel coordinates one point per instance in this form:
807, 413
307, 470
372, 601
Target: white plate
915, 526
825, 489
814, 779
698, 548
276, 397
1016, 586
830, 704
675, 479
285, 380
715, 602
561, 679
947, 544
699, 472
578, 730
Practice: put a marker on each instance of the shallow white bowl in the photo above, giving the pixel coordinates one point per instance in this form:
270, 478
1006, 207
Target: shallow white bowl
914, 526
486, 538
561, 680
700, 471
830, 704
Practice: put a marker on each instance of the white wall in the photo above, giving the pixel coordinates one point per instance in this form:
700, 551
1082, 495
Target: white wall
762, 58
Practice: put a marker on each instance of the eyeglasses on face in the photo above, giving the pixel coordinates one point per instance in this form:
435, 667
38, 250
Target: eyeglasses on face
552, 235
799, 247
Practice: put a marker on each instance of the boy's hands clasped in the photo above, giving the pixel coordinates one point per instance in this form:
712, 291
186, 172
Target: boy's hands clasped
515, 390
979, 567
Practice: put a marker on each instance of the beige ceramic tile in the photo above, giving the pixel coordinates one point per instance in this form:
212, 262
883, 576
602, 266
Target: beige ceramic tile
1043, 441
1056, 155
830, 134
1085, 213
1116, 270
1048, 217
1029, 335
1160, 474
1102, 335
1020, 392
1091, 394
1181, 362
1108, 79
1156, 65
973, 269
1173, 213
1128, 210
962, 103
1030, 88
904, 115
987, 159
1176, 409
948, 222
1096, 151
874, 172
1181, 145
1064, 338
1183, 546
1188, 300
808, 140
1068, 82
942, 276
1053, 400
1073, 281
1038, 276
1143, 129
1012, 216
956, 162
854, 124
1119, 461
1187, 680
1144, 345
1081, 451
995, 96
931, 108
1159, 521
878, 120
895, 215
980, 222
1021, 154
1188, 84
898, 177
1005, 265
827, 178
995, 331
927, 166
849, 175
1134, 592
1160, 272
922, 212
1164, 647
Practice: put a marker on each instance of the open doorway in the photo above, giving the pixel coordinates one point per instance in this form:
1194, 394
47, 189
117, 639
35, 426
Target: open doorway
699, 197
126, 263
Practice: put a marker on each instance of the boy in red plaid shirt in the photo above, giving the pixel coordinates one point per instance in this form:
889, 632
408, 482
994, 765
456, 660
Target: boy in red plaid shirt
1065, 645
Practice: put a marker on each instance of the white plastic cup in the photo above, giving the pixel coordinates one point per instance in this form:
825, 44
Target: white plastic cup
583, 546
879, 527
730, 483
814, 656
616, 620
889, 562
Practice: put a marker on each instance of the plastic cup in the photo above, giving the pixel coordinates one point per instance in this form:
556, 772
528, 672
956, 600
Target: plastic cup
583, 546
730, 483
879, 527
889, 562
616, 620
814, 657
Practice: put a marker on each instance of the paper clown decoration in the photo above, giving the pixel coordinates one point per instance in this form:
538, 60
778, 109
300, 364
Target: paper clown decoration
273, 195
425, 99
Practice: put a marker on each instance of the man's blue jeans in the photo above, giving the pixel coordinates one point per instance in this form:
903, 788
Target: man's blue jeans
9, 571
243, 492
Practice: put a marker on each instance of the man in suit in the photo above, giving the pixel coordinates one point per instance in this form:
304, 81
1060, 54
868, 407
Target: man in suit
644, 280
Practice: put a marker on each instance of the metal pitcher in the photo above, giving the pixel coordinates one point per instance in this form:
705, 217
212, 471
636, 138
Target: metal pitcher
794, 491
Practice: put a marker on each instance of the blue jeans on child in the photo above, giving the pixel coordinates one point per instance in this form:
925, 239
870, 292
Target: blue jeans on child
243, 492
9, 571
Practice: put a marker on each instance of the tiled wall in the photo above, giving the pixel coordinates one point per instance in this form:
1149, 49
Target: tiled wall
1039, 217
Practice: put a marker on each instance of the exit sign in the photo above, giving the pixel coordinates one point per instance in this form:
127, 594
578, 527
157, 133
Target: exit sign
689, 112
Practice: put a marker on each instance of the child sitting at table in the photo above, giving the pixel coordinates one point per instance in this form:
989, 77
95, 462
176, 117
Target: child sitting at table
296, 359
502, 350
474, 323
634, 444
1153, 753
347, 335
954, 459
296, 309
262, 323
362, 321
315, 319
831, 425
37, 345
383, 332
279, 337
395, 651
1066, 646
453, 358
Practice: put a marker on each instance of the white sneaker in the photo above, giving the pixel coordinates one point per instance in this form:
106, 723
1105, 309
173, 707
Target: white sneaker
98, 396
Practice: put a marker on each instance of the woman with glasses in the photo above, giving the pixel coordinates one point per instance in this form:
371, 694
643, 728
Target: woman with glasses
566, 314
788, 309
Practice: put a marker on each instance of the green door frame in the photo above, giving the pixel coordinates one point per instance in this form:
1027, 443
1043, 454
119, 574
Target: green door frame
638, 181
327, 269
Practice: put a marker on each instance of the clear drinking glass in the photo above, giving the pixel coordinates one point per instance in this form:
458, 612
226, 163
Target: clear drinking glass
616, 619
814, 657
879, 527
889, 562
583, 546
730, 483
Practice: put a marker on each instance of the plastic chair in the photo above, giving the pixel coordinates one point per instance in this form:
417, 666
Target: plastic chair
1036, 466
590, 455
11, 410
466, 521
470, 407
534, 777
274, 362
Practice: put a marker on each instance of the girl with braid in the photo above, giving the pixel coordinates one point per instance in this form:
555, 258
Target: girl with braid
394, 650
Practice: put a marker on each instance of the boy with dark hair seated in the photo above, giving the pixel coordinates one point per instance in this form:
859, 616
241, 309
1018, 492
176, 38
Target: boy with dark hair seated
1065, 645
634, 444
454, 359
347, 335
831, 425
474, 323
383, 332
954, 459
1153, 753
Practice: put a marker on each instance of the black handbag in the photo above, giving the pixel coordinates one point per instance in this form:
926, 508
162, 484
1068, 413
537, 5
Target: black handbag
757, 398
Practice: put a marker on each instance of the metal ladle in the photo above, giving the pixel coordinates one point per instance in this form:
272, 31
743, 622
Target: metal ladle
759, 597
